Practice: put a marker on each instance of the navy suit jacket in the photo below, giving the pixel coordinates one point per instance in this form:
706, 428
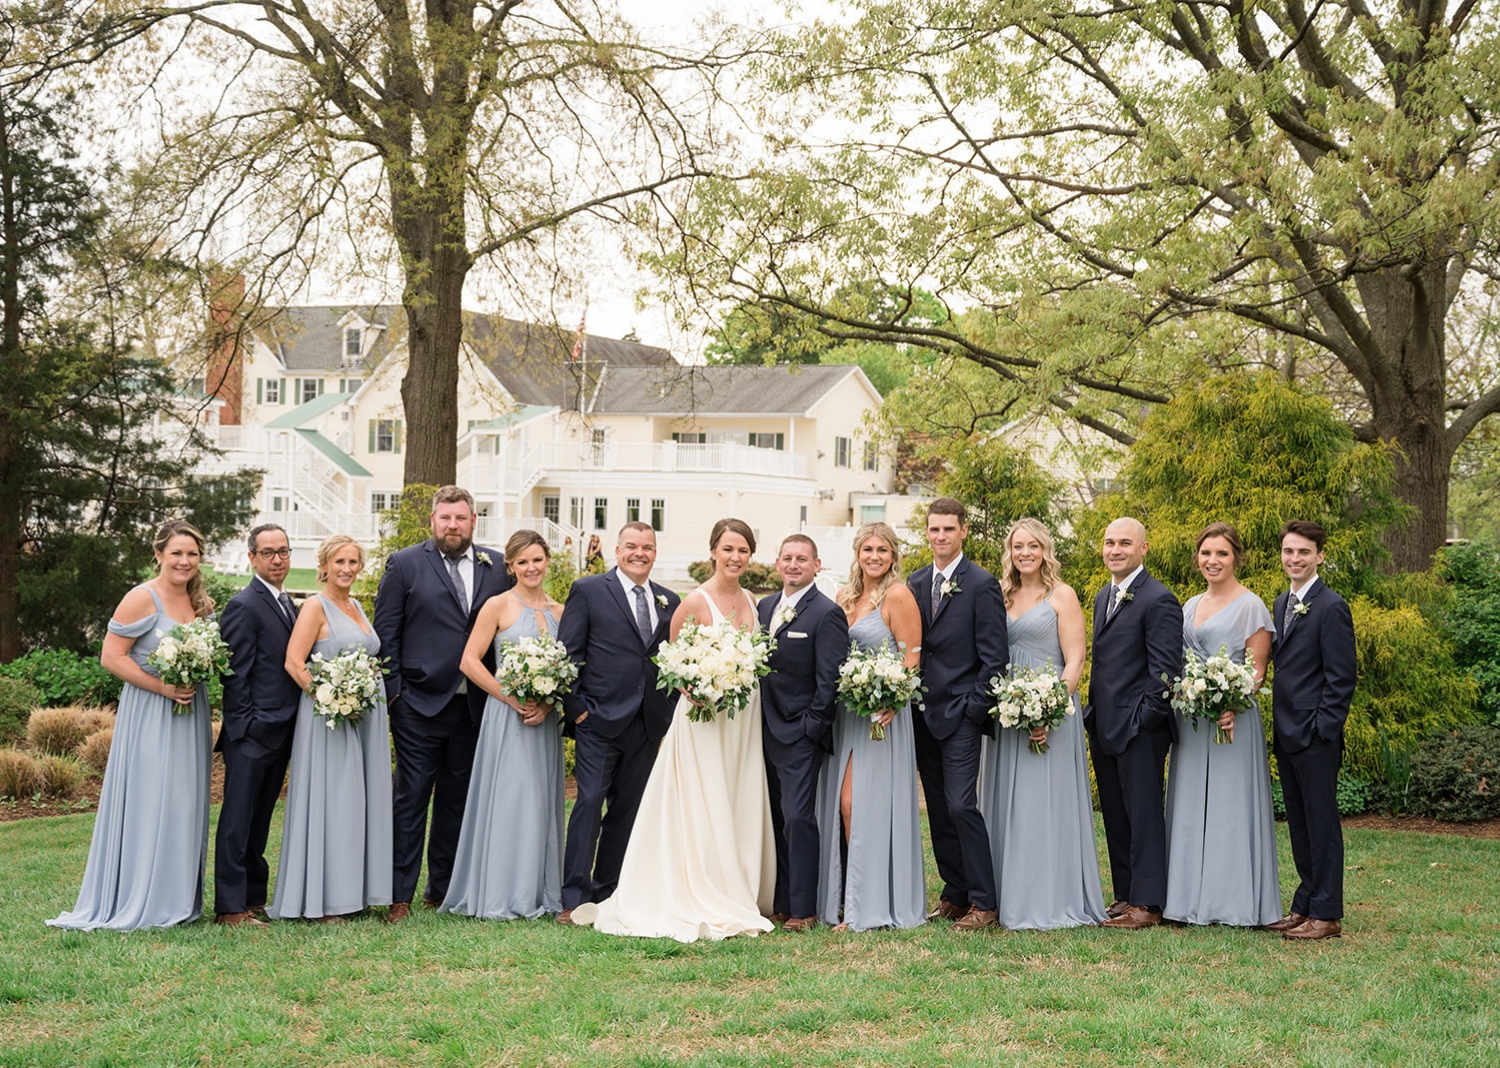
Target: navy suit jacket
260, 698
617, 678
797, 699
964, 647
1316, 667
1132, 651
423, 630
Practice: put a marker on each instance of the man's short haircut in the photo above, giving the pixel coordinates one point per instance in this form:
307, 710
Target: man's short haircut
948, 506
634, 524
452, 495
812, 546
258, 531
1304, 528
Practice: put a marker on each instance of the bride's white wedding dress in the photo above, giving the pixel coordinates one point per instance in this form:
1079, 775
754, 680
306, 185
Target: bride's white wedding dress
701, 862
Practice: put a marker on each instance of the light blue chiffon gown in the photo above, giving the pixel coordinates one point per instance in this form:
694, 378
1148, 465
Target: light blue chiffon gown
336, 835
1037, 805
1221, 835
150, 842
885, 885
509, 860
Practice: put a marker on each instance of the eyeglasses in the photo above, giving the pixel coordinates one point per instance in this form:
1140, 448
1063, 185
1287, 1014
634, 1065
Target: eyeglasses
275, 554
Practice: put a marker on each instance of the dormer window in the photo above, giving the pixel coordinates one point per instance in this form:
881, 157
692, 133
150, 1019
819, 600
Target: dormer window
353, 343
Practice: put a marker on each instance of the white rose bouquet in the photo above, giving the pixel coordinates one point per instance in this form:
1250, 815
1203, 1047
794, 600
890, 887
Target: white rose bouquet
536, 669
718, 666
873, 680
1209, 688
190, 654
1029, 699
345, 687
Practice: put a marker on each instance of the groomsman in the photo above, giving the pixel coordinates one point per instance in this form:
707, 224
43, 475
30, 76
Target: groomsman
964, 648
429, 595
797, 701
1137, 641
260, 710
612, 625
1310, 694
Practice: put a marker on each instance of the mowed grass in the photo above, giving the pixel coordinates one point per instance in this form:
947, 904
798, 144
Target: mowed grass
1414, 981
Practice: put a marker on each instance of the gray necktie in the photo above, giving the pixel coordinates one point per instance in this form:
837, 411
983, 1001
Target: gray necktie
458, 584
937, 589
1292, 601
643, 616
1114, 602
285, 600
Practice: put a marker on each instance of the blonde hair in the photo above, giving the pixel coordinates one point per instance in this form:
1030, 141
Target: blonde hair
330, 545
203, 604
855, 591
1010, 575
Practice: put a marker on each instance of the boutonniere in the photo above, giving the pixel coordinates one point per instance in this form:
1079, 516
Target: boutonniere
661, 600
950, 587
483, 557
784, 615
1301, 609
1124, 597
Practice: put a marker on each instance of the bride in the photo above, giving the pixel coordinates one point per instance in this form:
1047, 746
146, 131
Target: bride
701, 862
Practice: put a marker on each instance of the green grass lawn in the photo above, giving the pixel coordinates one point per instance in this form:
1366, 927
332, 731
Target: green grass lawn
1412, 982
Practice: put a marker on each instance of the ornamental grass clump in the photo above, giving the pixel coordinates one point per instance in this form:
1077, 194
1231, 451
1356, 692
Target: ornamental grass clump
19, 775
60, 777
94, 752
58, 731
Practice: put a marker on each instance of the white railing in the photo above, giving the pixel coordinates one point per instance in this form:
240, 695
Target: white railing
554, 458
494, 530
363, 527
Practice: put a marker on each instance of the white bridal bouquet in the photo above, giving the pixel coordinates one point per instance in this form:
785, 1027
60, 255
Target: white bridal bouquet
872, 680
190, 654
347, 686
536, 669
719, 666
1210, 687
1028, 699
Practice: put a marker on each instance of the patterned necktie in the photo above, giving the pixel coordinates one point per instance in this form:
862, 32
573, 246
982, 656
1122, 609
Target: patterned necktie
937, 589
458, 584
643, 616
1292, 601
1114, 602
290, 610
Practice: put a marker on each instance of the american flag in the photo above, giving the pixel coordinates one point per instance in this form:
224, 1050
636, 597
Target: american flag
578, 344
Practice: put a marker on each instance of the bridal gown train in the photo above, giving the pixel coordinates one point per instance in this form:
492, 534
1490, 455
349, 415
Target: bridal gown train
701, 862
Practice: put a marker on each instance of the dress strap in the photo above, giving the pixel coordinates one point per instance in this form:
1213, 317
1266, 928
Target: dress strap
160, 608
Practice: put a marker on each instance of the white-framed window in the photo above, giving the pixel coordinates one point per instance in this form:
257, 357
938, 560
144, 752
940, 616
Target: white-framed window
380, 500
350, 385
196, 385
278, 504
353, 343
872, 456
842, 451
601, 513
871, 513
597, 438
658, 514
768, 441
729, 437
552, 507
308, 389
575, 511
694, 437
385, 435
632, 509
268, 391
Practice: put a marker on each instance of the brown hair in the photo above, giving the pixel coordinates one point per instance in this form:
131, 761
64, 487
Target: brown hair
725, 526
327, 548
801, 539
1229, 534
634, 524
203, 604
948, 506
855, 591
1304, 528
452, 495
1010, 575
522, 540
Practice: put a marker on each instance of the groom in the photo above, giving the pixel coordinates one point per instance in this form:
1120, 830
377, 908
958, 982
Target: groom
797, 707
612, 626
429, 595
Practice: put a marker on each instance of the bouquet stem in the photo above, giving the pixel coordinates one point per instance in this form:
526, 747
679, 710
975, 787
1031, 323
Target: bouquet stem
1038, 747
1222, 735
877, 732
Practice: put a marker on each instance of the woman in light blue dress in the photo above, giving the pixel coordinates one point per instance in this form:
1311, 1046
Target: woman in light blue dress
870, 868
1037, 805
336, 835
1221, 838
509, 860
150, 842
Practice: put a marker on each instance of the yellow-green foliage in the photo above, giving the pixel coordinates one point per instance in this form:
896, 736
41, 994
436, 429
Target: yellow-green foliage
19, 774
59, 731
59, 776
94, 752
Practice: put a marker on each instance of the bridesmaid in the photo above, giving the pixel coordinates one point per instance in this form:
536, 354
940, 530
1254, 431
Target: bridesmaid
336, 836
509, 860
146, 858
873, 868
1037, 805
1221, 840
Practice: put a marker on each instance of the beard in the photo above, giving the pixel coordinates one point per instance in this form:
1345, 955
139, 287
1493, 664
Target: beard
454, 543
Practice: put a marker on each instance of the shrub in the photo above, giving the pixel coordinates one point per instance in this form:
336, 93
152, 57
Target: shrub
754, 577
92, 720
18, 699
60, 777
19, 775
1473, 620
94, 752
1355, 796
58, 731
1455, 775
65, 678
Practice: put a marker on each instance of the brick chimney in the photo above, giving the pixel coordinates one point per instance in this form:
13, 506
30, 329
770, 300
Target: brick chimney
226, 366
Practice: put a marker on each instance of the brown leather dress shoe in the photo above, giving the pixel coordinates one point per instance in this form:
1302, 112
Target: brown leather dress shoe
565, 917
800, 923
779, 918
1287, 922
1312, 930
429, 903
238, 919
947, 910
978, 919
1116, 908
1134, 918
258, 911
398, 912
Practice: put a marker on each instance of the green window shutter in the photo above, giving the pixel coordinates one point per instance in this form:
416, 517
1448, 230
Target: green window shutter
372, 435
677, 438
780, 442
341, 385
398, 436
260, 391
281, 391
320, 387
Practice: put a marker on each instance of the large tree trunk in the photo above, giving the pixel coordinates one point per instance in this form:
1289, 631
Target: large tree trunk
429, 392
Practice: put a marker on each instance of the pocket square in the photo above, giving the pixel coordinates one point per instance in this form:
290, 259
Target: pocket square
796, 634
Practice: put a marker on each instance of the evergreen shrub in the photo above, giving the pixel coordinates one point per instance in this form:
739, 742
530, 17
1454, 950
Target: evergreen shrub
1455, 775
62, 677
18, 700
1472, 620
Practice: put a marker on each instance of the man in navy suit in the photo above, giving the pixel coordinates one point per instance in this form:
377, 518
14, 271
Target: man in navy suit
612, 625
260, 709
964, 648
1316, 667
1130, 723
428, 598
797, 706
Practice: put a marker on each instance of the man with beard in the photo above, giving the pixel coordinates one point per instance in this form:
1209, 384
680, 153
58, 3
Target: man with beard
429, 595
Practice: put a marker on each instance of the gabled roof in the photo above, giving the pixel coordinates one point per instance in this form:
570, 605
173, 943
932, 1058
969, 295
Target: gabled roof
305, 413
535, 365
346, 463
723, 390
311, 337
523, 414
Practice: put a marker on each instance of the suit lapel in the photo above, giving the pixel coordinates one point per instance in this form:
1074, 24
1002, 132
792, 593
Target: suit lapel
270, 599
956, 579
663, 617
440, 565
923, 577
1101, 610
1312, 593
1133, 589
617, 592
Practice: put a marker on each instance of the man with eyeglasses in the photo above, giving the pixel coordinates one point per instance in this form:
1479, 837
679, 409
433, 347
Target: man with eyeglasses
260, 708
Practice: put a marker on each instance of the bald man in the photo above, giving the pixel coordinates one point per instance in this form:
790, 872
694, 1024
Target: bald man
1137, 641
